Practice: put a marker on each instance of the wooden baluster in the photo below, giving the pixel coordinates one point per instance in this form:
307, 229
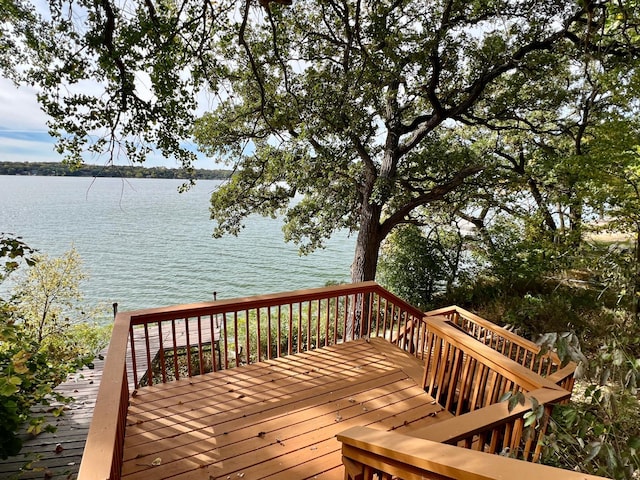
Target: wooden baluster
188, 347
174, 346
482, 438
542, 429
367, 299
494, 441
428, 368
384, 320
247, 340
268, 333
335, 320
258, 336
309, 325
478, 386
508, 431
134, 362
279, 347
466, 384
290, 339
393, 316
377, 300
213, 326
436, 360
148, 350
327, 321
318, 315
236, 339
516, 436
200, 349
453, 382
163, 367
299, 343
225, 340
443, 371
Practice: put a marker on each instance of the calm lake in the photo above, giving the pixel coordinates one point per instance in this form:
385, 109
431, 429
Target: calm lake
145, 245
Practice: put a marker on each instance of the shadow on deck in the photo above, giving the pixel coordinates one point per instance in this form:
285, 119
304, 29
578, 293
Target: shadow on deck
275, 419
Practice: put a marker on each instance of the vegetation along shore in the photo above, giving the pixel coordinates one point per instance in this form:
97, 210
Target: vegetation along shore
129, 171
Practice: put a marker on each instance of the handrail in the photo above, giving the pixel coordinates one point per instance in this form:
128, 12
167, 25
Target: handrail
162, 344
510, 344
102, 457
498, 428
457, 314
367, 451
462, 374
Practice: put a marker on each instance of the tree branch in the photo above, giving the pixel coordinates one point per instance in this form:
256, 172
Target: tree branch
438, 192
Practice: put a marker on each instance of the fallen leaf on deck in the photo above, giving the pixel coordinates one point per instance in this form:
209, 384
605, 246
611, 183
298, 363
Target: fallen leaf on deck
156, 462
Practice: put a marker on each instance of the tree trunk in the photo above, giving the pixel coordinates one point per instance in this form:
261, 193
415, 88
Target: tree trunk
364, 265
542, 206
365, 260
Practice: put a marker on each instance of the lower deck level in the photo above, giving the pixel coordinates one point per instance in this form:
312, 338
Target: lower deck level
276, 419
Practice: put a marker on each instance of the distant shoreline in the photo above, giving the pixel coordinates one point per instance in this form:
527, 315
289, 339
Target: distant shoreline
58, 169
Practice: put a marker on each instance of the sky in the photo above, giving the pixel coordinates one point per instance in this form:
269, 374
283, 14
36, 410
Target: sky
23, 127
24, 135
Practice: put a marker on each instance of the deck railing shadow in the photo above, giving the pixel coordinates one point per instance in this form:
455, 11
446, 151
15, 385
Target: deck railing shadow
161, 345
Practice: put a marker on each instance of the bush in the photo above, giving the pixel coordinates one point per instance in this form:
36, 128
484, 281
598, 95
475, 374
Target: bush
44, 336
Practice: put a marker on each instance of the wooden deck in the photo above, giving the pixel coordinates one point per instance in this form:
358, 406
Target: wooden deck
274, 419
57, 455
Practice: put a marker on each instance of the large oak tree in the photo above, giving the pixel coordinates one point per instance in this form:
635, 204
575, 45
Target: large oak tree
353, 106
335, 113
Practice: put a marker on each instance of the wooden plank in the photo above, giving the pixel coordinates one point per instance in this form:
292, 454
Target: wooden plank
447, 460
278, 418
58, 454
229, 396
242, 413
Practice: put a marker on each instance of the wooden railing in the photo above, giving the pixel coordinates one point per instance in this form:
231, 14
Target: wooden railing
468, 365
468, 378
509, 344
369, 454
463, 375
160, 345
188, 340
500, 430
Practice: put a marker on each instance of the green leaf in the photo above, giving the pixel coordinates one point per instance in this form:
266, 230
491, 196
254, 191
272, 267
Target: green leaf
7, 388
505, 396
15, 380
592, 450
529, 419
634, 443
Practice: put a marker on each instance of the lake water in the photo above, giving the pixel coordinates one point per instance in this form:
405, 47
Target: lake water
145, 245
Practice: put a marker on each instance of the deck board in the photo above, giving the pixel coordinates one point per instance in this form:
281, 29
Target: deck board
57, 455
274, 419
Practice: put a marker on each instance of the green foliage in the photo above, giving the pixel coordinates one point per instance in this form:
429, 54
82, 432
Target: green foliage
28, 376
416, 267
41, 342
48, 302
599, 431
13, 251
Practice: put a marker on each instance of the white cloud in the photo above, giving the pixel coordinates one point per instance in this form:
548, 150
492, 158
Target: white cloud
24, 134
19, 109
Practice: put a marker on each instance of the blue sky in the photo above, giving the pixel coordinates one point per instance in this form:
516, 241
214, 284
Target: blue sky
24, 135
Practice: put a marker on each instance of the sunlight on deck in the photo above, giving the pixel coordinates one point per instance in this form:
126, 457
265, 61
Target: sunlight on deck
275, 419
